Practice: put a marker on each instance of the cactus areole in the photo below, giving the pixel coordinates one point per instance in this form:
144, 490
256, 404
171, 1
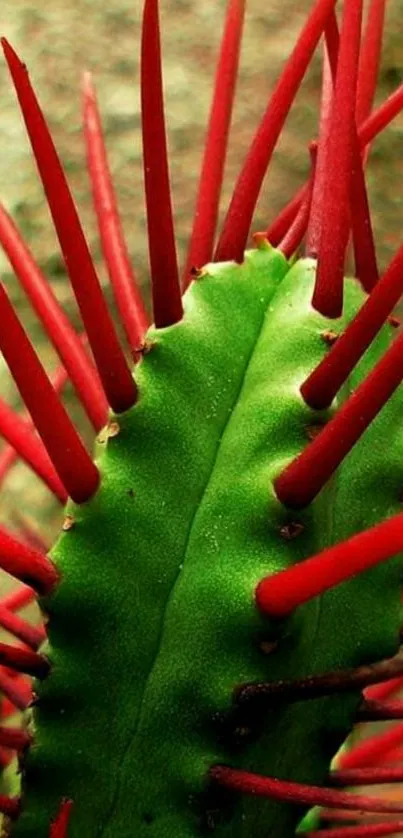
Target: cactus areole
224, 602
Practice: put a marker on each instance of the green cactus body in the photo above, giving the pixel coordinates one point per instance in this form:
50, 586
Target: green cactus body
154, 623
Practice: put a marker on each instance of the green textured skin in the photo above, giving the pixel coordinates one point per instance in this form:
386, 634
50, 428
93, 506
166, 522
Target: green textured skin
154, 622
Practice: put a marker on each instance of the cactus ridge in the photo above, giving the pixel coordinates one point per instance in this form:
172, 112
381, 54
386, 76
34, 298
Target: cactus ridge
214, 624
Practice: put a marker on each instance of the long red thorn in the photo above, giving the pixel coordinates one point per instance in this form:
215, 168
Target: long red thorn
372, 710
370, 750
19, 433
370, 129
370, 59
235, 231
316, 216
324, 382
60, 331
362, 831
303, 479
112, 367
298, 228
24, 660
33, 636
75, 468
245, 782
59, 828
18, 599
26, 564
18, 692
167, 303
366, 776
117, 259
328, 294
207, 203
15, 738
382, 691
279, 594
317, 686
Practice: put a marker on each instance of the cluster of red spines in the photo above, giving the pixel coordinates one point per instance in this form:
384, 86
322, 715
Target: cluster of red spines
57, 455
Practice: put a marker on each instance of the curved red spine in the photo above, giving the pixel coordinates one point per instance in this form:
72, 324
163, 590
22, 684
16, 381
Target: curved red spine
59, 828
167, 302
370, 59
26, 564
57, 326
114, 372
205, 219
236, 226
123, 280
33, 636
361, 831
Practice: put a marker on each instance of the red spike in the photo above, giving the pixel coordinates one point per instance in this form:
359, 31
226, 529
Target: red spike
60, 331
167, 303
370, 750
374, 125
19, 433
278, 595
27, 564
296, 233
316, 217
59, 828
278, 229
76, 470
328, 294
15, 738
9, 806
366, 776
245, 782
303, 479
372, 710
205, 219
18, 599
239, 216
317, 686
18, 692
370, 59
382, 691
127, 294
24, 660
324, 382
28, 532
33, 636
362, 831
115, 375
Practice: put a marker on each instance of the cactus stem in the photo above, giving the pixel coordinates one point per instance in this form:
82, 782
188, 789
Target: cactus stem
15, 738
24, 660
123, 280
377, 711
248, 783
368, 751
16, 691
366, 776
364, 830
59, 827
278, 595
112, 367
297, 230
75, 468
324, 382
27, 565
61, 333
211, 177
317, 686
328, 293
238, 220
371, 47
19, 433
167, 303
33, 636
303, 479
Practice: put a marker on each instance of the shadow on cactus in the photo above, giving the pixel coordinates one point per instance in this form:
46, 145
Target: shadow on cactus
224, 604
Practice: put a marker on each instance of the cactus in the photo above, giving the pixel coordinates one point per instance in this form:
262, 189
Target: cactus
223, 604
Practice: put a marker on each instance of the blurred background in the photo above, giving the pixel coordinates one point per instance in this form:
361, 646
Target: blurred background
59, 40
